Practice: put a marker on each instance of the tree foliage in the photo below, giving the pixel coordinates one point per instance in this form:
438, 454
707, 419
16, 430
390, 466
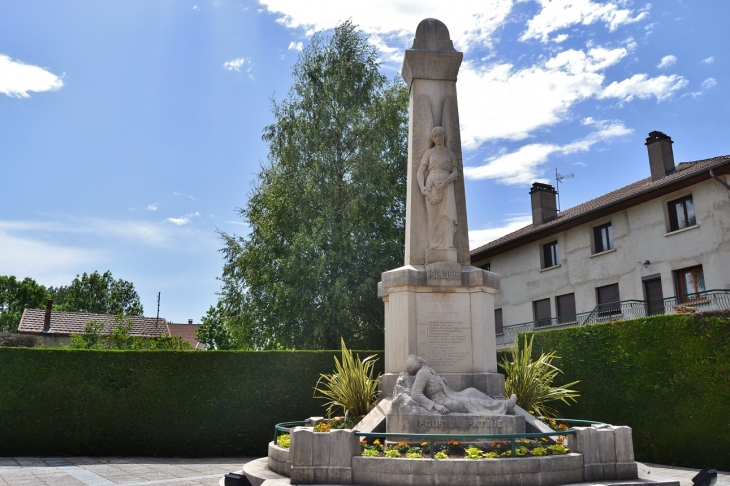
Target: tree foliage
326, 214
213, 331
16, 295
120, 338
99, 294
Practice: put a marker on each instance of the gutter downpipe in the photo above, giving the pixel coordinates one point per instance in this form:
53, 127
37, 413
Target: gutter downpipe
712, 174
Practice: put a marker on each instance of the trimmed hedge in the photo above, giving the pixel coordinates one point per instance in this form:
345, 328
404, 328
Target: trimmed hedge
667, 377
65, 402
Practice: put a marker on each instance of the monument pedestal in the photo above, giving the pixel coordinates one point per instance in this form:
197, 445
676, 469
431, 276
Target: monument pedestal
446, 318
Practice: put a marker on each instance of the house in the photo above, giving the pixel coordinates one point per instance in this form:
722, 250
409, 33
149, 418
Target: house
186, 332
56, 327
659, 245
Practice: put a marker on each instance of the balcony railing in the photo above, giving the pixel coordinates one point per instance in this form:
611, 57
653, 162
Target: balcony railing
623, 310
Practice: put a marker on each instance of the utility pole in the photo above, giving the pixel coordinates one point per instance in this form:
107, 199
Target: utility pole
158, 310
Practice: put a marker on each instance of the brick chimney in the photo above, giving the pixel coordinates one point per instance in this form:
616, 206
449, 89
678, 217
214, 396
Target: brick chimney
544, 204
661, 156
47, 318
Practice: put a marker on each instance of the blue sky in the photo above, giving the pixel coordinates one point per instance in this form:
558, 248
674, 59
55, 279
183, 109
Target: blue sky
131, 130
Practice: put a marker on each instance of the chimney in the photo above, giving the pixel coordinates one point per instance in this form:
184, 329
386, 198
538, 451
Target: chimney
544, 206
661, 156
47, 319
190, 321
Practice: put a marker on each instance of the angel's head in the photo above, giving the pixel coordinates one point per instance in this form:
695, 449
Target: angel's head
438, 135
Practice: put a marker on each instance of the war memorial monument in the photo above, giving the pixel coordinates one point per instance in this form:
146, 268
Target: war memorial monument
440, 347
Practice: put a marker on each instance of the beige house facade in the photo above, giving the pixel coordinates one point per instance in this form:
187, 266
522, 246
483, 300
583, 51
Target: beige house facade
652, 247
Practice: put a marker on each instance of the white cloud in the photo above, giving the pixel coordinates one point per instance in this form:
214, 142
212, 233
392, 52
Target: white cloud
509, 103
642, 86
505, 100
195, 7
53, 251
667, 61
182, 220
561, 14
236, 64
179, 221
706, 85
46, 261
183, 195
469, 23
481, 237
152, 207
709, 60
524, 165
18, 78
709, 83
296, 46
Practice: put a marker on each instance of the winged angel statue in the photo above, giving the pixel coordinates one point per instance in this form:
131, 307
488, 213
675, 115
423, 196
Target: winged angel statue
440, 166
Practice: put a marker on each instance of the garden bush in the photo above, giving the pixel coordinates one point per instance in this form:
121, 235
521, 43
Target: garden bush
667, 377
69, 402
13, 340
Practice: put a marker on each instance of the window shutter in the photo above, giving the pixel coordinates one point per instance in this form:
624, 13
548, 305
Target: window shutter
566, 307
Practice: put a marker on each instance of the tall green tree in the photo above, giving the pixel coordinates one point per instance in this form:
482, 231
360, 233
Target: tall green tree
16, 295
100, 294
326, 214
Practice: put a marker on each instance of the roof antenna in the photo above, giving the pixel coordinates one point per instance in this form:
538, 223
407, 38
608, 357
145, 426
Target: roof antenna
158, 308
558, 179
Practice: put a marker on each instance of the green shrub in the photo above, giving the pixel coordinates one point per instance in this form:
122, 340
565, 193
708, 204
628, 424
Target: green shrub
532, 380
667, 377
13, 340
69, 402
352, 388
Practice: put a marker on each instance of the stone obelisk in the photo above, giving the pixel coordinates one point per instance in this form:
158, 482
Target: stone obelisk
437, 306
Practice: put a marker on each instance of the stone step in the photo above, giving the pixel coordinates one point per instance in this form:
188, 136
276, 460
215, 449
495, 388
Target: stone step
258, 473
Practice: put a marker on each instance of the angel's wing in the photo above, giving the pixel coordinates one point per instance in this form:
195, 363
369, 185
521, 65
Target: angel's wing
450, 122
422, 128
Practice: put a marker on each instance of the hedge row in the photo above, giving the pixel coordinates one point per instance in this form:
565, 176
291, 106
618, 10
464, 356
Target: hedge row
667, 377
63, 402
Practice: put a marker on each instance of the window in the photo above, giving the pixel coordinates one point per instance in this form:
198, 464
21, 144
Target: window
681, 213
603, 237
498, 325
565, 305
606, 296
486, 266
690, 282
550, 254
541, 308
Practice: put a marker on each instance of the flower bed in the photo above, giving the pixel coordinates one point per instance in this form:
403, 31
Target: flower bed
455, 450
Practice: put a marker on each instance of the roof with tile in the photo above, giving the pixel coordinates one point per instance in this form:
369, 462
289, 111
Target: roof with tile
65, 323
645, 187
186, 332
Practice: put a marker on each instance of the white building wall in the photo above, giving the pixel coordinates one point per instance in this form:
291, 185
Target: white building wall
640, 233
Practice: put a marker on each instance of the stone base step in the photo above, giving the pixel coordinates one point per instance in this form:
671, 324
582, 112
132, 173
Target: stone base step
259, 474
627, 482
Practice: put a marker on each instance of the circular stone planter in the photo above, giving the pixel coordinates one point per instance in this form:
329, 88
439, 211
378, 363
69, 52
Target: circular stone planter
518, 471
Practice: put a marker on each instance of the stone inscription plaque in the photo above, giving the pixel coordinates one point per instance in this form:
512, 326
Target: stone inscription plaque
456, 424
444, 331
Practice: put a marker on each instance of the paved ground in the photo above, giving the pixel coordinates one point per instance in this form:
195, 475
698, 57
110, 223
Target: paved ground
103, 471
681, 474
139, 471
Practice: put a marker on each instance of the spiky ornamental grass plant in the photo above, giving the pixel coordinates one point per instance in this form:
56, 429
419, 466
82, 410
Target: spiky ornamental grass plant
532, 380
352, 387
